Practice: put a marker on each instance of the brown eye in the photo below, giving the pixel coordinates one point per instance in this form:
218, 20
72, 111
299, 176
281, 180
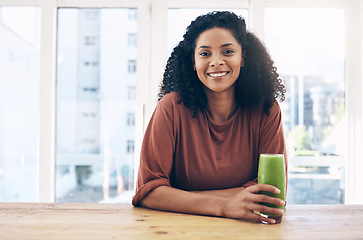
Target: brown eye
204, 54
228, 52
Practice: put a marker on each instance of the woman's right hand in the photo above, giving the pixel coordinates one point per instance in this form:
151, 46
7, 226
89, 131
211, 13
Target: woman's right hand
244, 204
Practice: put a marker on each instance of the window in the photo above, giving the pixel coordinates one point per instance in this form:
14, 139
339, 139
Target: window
132, 14
89, 127
19, 103
90, 41
131, 66
311, 63
130, 119
130, 146
71, 94
88, 63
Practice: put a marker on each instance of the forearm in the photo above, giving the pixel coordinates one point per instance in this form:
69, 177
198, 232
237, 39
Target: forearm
243, 205
225, 193
175, 200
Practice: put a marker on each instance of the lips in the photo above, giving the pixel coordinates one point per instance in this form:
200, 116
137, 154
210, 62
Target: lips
217, 74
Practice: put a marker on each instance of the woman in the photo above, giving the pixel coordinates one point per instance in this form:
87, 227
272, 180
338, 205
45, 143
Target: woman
216, 114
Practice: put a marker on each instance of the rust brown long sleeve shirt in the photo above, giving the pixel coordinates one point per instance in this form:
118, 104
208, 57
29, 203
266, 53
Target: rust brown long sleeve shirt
197, 154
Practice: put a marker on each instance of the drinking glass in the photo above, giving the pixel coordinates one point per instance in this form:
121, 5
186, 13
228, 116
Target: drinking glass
271, 170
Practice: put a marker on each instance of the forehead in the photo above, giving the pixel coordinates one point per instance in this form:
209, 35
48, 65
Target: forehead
216, 36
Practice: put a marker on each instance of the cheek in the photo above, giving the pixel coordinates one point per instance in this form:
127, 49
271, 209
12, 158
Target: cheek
200, 74
200, 68
198, 64
237, 67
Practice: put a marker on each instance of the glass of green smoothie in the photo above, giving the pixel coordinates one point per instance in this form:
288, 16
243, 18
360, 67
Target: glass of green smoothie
271, 170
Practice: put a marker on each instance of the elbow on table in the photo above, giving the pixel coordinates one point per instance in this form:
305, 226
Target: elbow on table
151, 199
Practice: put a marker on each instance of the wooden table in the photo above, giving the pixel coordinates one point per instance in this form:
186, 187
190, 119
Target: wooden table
122, 221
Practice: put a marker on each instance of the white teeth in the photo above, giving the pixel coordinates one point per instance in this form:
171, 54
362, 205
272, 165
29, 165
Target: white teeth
217, 74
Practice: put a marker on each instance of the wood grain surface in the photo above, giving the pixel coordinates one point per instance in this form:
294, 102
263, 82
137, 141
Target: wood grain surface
122, 221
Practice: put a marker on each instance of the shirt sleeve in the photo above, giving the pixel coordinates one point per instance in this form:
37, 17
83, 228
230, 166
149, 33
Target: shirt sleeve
250, 183
156, 157
272, 135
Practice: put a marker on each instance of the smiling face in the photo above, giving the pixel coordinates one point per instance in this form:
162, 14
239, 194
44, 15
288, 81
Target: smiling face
218, 60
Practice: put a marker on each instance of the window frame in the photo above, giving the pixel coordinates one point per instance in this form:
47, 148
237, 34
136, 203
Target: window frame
152, 27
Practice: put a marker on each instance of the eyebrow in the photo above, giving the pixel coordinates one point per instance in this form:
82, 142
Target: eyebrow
224, 45
227, 44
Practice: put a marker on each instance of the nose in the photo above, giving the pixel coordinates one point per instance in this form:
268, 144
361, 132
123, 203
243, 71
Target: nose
216, 60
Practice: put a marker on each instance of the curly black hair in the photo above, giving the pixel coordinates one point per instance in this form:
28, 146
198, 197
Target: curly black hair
258, 83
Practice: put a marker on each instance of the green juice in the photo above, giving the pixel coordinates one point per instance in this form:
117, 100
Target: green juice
271, 170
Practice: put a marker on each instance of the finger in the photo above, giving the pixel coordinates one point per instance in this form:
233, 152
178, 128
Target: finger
253, 197
263, 187
267, 199
262, 208
258, 208
259, 218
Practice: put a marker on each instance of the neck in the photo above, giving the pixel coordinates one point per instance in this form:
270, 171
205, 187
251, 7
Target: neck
221, 107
